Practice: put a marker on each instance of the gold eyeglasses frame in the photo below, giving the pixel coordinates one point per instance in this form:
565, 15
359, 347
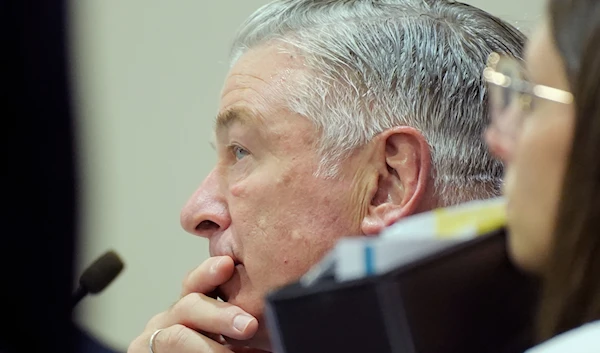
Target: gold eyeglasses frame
492, 76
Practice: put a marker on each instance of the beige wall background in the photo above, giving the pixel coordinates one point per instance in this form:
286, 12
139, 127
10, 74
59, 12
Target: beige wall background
147, 75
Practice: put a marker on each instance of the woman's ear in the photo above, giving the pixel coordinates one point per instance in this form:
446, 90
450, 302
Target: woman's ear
403, 182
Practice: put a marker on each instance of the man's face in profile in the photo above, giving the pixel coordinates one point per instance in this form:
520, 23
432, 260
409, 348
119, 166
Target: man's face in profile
262, 203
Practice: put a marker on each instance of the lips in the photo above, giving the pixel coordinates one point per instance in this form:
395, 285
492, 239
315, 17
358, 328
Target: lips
236, 261
221, 246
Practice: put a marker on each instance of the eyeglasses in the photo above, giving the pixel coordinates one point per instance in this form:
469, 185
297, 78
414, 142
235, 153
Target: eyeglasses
511, 95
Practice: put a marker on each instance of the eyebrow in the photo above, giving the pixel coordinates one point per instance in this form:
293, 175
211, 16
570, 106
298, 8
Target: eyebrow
233, 116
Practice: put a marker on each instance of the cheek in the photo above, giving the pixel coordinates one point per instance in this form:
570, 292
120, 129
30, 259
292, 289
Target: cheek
542, 156
239, 190
294, 222
533, 186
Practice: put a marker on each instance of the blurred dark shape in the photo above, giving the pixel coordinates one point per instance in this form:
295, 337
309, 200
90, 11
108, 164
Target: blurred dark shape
40, 198
468, 298
87, 343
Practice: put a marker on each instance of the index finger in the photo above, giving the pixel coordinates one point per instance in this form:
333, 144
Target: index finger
208, 276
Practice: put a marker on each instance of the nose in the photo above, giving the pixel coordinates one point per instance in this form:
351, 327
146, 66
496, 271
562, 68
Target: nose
206, 213
497, 144
502, 134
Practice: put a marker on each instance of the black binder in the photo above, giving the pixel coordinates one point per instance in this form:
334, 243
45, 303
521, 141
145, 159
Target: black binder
466, 298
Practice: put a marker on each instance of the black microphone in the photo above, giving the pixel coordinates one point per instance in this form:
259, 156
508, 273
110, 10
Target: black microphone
98, 276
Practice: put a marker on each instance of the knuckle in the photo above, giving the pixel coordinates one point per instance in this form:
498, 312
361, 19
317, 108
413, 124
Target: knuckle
187, 281
200, 274
185, 304
191, 285
177, 336
154, 321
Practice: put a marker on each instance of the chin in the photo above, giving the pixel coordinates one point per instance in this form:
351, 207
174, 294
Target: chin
238, 291
522, 256
253, 306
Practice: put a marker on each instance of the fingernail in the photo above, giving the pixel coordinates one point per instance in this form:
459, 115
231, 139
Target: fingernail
214, 268
241, 322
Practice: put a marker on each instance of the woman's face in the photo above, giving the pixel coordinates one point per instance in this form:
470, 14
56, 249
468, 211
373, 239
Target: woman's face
535, 149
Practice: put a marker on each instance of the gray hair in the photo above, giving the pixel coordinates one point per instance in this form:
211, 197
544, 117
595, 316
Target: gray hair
377, 64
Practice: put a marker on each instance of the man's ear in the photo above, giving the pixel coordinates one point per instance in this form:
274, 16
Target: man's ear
404, 177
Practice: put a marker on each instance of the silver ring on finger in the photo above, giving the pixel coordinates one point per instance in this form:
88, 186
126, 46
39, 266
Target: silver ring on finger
152, 338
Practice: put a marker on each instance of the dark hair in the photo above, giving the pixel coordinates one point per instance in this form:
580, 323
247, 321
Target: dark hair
571, 295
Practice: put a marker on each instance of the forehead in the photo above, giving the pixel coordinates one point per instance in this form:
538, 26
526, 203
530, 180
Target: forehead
256, 88
262, 74
543, 61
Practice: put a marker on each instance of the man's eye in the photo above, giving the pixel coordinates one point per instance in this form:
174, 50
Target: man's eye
239, 152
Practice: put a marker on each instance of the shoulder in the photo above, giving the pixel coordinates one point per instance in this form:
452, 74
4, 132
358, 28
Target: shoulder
583, 339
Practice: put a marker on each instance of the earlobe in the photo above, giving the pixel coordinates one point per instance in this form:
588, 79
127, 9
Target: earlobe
403, 179
372, 225
380, 217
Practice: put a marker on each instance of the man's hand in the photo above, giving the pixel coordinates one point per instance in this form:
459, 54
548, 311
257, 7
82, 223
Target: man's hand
198, 321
